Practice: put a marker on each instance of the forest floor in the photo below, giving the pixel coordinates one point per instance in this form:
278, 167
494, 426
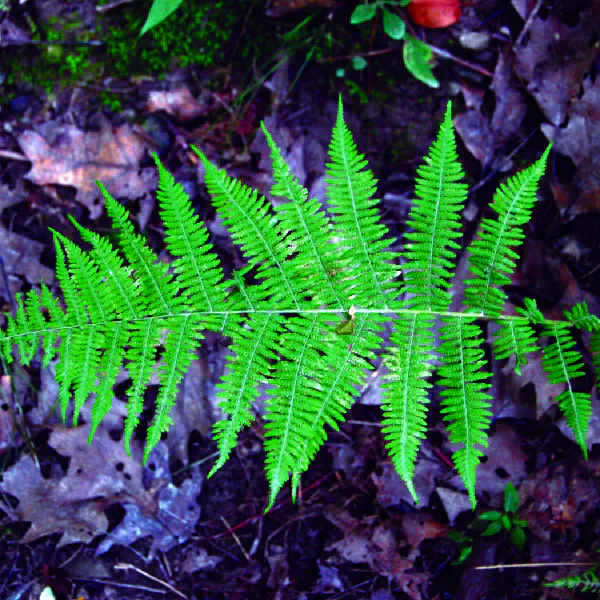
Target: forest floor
89, 521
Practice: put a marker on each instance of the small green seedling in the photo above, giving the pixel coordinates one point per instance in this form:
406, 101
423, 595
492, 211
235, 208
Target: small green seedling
493, 522
417, 56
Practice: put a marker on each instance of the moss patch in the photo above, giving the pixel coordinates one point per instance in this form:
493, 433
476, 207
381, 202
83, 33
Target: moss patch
197, 33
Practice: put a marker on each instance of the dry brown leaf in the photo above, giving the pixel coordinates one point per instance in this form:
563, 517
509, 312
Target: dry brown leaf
392, 490
40, 502
580, 140
484, 137
100, 474
77, 158
555, 53
558, 498
22, 257
377, 546
179, 103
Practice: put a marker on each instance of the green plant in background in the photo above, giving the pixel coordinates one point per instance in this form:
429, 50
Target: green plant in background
312, 271
198, 36
493, 522
586, 582
417, 55
159, 11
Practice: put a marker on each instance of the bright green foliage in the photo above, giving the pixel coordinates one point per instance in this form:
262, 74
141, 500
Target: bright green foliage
493, 522
305, 314
587, 582
159, 11
417, 55
418, 59
513, 203
435, 218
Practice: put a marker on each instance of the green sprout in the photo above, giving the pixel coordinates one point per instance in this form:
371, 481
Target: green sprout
417, 56
493, 522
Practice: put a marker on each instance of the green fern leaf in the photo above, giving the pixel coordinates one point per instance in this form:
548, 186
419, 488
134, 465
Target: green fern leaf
465, 405
435, 219
196, 265
562, 365
492, 255
404, 399
587, 582
335, 381
309, 233
306, 314
249, 365
514, 338
350, 188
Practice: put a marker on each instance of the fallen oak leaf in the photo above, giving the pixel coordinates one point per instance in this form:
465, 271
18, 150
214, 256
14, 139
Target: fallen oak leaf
78, 159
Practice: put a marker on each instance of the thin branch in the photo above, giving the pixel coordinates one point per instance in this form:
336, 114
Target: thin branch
534, 565
127, 566
7, 41
111, 5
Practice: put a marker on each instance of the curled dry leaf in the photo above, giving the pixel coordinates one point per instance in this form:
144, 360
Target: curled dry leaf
77, 158
97, 476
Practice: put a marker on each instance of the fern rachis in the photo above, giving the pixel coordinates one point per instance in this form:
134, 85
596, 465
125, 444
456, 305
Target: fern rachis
312, 324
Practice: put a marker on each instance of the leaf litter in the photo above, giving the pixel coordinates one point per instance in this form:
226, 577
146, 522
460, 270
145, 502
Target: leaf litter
551, 64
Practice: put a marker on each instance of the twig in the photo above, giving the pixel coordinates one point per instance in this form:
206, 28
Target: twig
236, 538
529, 21
5, 41
505, 160
438, 51
127, 566
460, 61
535, 565
7, 287
13, 155
129, 586
111, 5
351, 56
276, 507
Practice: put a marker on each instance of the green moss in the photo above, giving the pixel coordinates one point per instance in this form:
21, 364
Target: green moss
111, 100
197, 33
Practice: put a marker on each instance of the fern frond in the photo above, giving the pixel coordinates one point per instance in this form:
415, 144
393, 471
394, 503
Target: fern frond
336, 382
312, 271
309, 234
435, 218
492, 257
465, 405
580, 317
587, 582
404, 399
514, 338
255, 345
350, 188
196, 265
257, 232
123, 288
595, 349
19, 328
562, 365
156, 283
182, 340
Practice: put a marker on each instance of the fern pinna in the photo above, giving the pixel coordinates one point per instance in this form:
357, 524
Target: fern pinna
311, 270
